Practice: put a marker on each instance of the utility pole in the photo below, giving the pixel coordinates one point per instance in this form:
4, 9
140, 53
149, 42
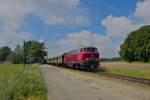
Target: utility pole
0, 58
47, 56
24, 54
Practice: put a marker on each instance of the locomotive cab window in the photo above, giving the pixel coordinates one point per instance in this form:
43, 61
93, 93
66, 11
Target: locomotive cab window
83, 50
92, 50
88, 50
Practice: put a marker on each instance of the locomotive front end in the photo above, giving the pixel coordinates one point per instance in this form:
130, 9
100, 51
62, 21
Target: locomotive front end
90, 58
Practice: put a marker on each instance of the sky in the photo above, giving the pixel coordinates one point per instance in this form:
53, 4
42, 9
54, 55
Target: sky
65, 25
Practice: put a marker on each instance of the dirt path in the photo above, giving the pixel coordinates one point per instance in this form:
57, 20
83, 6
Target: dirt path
66, 85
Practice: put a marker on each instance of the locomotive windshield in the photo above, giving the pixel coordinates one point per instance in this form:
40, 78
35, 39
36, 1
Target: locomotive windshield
89, 49
92, 50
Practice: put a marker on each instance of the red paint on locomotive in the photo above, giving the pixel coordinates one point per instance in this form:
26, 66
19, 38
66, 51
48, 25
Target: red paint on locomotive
83, 57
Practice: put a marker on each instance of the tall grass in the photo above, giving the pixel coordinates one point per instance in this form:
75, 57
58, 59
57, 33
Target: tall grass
139, 73
18, 83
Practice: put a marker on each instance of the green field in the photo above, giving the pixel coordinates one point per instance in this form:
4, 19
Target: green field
127, 69
127, 72
19, 83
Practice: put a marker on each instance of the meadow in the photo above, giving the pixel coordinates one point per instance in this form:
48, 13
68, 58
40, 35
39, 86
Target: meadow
127, 69
21, 83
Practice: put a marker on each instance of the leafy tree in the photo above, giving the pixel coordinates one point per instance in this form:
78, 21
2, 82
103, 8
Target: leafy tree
4, 52
17, 55
136, 47
35, 52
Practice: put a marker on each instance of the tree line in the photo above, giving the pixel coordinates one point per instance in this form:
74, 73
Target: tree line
30, 52
110, 59
136, 46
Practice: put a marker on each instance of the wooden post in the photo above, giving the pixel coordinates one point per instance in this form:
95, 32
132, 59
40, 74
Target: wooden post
24, 55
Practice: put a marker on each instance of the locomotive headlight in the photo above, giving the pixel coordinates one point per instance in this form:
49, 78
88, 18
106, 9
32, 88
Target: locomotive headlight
87, 59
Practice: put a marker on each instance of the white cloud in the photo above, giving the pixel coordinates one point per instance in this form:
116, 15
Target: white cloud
68, 12
13, 13
88, 38
41, 40
11, 39
82, 38
9, 36
118, 26
51, 11
143, 11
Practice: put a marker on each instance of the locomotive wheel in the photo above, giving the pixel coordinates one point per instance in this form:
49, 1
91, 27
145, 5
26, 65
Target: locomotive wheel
79, 67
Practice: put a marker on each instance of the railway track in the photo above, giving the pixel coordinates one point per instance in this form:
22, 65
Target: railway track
126, 78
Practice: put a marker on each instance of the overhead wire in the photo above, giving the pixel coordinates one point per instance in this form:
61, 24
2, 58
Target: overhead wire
7, 18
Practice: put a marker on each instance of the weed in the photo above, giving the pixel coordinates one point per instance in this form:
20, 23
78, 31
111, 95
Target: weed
18, 83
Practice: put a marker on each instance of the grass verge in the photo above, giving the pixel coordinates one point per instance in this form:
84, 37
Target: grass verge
18, 83
139, 73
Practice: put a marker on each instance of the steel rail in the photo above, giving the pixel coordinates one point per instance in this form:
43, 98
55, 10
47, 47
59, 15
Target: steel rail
127, 78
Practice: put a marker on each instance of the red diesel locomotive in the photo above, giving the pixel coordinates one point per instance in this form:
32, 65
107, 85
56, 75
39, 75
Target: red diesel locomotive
82, 58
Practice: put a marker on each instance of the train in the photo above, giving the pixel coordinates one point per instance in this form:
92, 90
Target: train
86, 58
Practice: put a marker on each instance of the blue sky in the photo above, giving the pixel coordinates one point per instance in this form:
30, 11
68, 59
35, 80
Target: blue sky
97, 10
68, 24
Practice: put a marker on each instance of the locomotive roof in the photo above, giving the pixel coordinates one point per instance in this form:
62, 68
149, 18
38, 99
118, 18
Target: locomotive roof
79, 49
88, 47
